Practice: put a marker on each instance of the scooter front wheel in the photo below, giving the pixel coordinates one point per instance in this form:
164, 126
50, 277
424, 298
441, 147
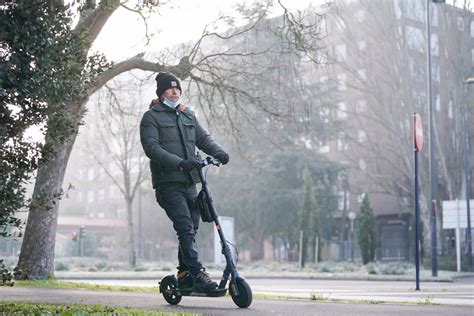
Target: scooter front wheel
244, 299
168, 288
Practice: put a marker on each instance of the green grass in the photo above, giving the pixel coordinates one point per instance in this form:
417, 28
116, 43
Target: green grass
22, 308
52, 283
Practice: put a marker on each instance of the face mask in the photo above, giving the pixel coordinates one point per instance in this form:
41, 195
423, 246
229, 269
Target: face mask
171, 104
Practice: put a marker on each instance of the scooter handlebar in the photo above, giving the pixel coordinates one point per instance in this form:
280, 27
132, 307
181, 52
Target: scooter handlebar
211, 161
208, 161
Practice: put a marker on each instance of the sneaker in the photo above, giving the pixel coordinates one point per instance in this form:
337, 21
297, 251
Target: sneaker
185, 280
203, 283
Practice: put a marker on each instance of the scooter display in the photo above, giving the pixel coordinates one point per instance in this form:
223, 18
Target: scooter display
239, 289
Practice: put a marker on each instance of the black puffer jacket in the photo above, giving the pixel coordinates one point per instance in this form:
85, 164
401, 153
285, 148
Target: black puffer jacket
168, 137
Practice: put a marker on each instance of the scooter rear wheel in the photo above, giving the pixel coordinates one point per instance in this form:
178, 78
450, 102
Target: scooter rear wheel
244, 299
168, 288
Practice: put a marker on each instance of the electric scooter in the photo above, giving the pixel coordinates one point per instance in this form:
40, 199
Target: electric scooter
239, 289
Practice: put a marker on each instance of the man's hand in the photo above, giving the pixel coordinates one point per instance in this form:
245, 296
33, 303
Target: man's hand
188, 165
223, 157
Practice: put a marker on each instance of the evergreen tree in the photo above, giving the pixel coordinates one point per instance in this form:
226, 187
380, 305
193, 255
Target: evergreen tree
366, 234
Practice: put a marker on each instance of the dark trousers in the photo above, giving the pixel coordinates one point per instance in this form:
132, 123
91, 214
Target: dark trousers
177, 199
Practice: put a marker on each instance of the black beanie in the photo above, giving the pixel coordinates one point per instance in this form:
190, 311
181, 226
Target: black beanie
166, 80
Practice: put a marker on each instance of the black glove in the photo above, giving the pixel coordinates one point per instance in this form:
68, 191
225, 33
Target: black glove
223, 157
188, 165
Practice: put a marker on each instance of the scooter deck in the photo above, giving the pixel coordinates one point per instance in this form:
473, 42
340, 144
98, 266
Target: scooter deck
189, 292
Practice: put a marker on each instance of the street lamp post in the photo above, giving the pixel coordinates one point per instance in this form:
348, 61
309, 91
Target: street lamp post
434, 258
468, 81
352, 217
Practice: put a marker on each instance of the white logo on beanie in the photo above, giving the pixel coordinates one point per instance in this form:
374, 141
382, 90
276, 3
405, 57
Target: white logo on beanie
174, 84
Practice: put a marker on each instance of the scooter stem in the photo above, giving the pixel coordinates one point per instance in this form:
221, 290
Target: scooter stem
230, 268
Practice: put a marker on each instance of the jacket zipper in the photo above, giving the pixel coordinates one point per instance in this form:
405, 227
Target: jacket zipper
182, 136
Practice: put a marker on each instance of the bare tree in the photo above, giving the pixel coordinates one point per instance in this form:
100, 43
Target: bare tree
198, 66
115, 146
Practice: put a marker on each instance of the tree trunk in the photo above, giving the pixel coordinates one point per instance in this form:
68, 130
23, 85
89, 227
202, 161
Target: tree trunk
256, 252
132, 261
37, 250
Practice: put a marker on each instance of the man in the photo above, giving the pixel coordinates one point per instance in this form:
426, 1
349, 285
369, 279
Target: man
170, 133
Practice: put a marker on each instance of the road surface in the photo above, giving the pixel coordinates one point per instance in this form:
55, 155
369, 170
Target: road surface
460, 292
220, 306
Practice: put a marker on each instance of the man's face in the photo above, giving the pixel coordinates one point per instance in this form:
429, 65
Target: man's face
172, 94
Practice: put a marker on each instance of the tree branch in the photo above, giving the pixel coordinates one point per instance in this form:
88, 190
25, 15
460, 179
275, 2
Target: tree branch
92, 21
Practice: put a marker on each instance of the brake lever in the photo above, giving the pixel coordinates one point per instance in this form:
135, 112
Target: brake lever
213, 161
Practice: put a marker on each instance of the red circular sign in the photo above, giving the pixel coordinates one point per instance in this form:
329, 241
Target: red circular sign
418, 131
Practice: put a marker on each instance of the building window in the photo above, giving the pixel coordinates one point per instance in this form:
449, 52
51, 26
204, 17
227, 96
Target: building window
101, 197
90, 197
359, 16
435, 72
434, 45
472, 29
415, 38
414, 10
361, 106
361, 136
341, 111
324, 115
340, 53
323, 146
90, 174
460, 24
80, 196
362, 164
324, 83
340, 199
340, 25
322, 57
450, 109
361, 46
362, 74
342, 142
437, 103
341, 78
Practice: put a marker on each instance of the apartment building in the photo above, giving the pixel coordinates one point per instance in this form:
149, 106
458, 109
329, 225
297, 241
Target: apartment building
377, 61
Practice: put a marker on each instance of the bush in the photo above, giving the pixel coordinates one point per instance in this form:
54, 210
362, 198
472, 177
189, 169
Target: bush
61, 266
324, 268
393, 268
140, 269
371, 268
5, 275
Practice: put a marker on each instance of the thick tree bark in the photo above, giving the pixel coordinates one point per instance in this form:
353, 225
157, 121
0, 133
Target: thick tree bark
37, 251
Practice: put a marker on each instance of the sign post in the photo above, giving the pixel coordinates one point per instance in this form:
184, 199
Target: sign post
418, 145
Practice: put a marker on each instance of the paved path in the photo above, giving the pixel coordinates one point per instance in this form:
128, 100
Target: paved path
219, 306
460, 292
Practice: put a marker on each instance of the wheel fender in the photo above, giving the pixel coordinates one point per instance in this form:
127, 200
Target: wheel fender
170, 276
